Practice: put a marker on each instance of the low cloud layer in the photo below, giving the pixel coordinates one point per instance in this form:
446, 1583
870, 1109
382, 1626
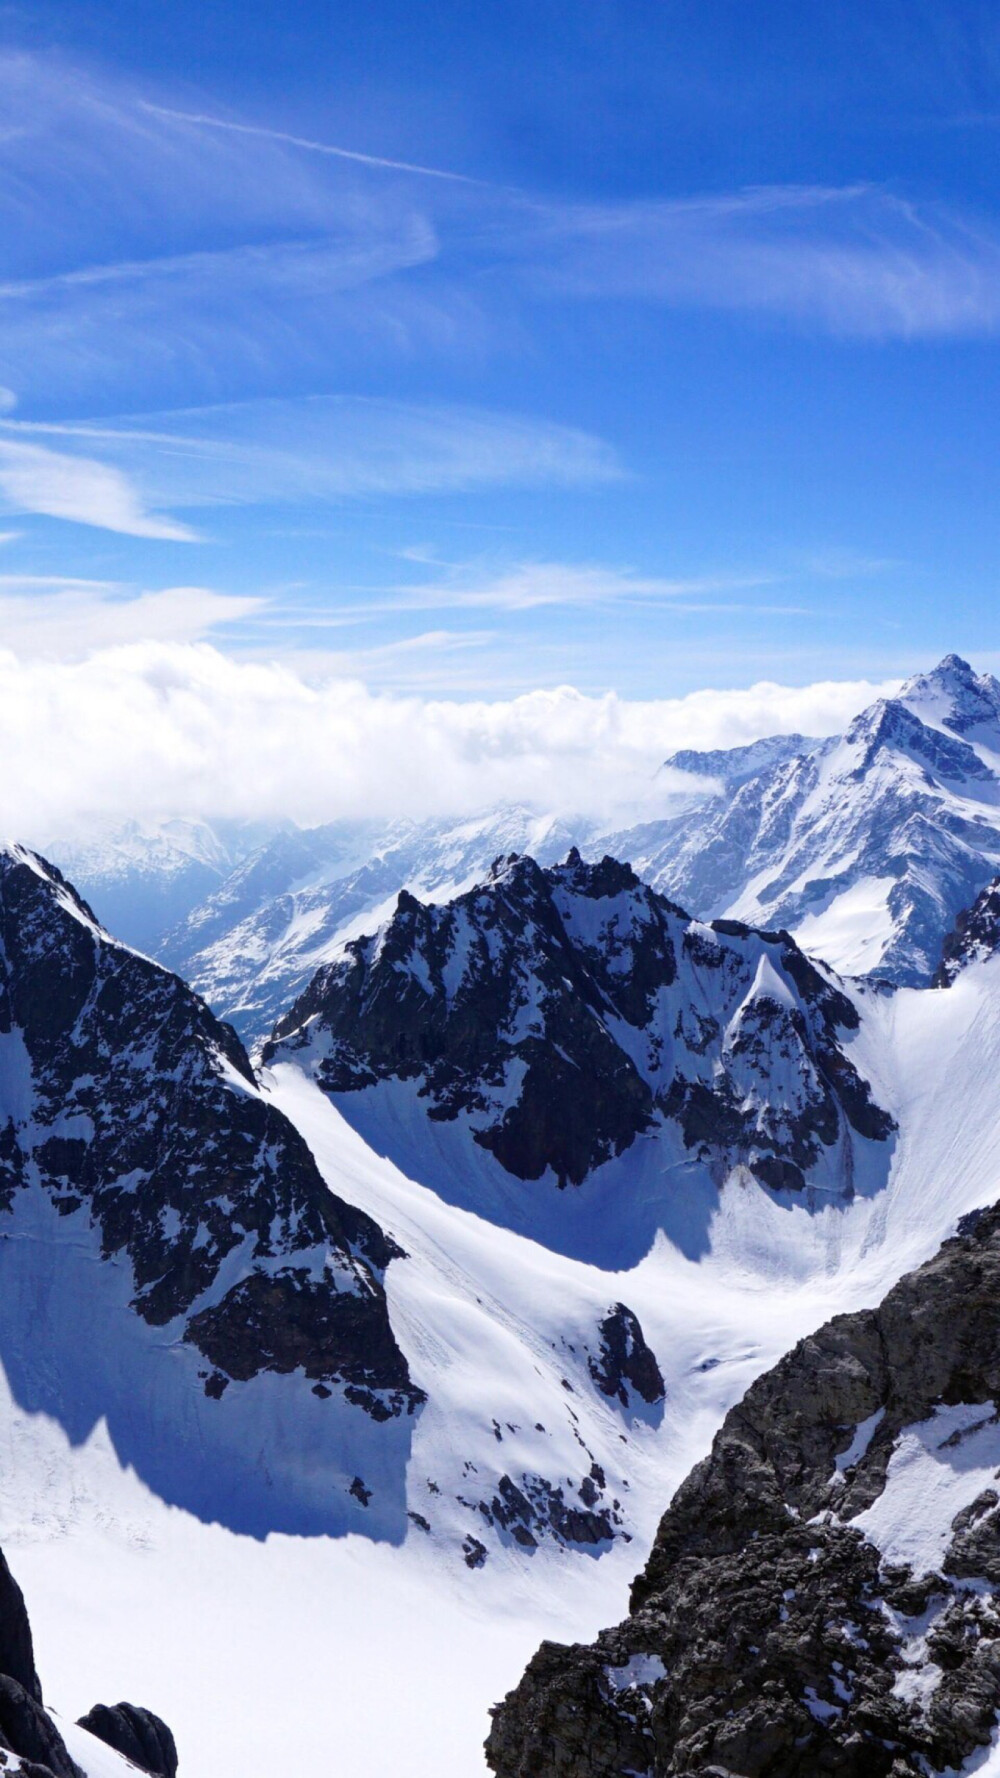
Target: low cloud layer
164, 728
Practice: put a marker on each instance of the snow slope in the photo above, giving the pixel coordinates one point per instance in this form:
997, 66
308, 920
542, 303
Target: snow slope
271, 1655
279, 1653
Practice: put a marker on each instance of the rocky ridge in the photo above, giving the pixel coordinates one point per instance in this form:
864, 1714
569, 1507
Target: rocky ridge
866, 845
562, 1013
128, 1110
820, 1597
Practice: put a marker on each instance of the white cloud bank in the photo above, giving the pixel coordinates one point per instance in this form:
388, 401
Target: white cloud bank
180, 728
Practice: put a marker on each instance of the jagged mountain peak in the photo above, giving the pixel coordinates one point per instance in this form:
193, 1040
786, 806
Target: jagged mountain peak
891, 731
955, 696
552, 1017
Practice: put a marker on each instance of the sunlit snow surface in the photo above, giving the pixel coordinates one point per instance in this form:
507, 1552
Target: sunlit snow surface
300, 1653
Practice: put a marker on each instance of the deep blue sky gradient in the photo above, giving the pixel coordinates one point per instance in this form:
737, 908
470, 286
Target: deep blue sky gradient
751, 252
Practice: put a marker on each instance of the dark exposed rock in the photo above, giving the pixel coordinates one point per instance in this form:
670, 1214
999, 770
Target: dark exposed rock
975, 935
137, 1733
129, 1102
625, 1362
474, 1552
768, 1636
537, 1510
17, 1655
30, 1732
565, 1012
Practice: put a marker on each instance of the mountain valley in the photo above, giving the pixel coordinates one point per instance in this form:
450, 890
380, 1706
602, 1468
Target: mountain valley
388, 1349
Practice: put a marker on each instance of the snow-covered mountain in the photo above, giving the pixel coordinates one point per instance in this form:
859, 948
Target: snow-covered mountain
563, 1396
199, 1287
541, 1025
256, 942
865, 846
146, 875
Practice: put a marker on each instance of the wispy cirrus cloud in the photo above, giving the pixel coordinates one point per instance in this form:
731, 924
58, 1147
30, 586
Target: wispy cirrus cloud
852, 260
321, 448
322, 256
57, 617
64, 485
531, 586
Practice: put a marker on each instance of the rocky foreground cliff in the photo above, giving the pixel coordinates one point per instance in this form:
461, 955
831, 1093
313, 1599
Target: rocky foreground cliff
820, 1597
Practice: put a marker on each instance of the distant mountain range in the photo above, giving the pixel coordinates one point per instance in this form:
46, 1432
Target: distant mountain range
865, 847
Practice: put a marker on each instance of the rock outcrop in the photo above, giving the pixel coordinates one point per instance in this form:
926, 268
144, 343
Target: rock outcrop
625, 1366
138, 1734
975, 936
28, 1732
820, 1598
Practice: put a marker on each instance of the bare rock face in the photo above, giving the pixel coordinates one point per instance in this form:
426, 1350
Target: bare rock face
138, 1734
625, 1366
975, 935
820, 1597
124, 1099
562, 1013
26, 1729
17, 1655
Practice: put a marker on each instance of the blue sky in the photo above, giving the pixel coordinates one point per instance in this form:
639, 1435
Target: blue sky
472, 349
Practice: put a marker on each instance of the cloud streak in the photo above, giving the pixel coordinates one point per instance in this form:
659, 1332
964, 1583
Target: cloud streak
48, 618
34, 479
204, 121
531, 586
329, 448
855, 260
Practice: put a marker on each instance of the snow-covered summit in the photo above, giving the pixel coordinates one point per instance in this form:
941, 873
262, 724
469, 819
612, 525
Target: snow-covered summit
866, 845
958, 698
